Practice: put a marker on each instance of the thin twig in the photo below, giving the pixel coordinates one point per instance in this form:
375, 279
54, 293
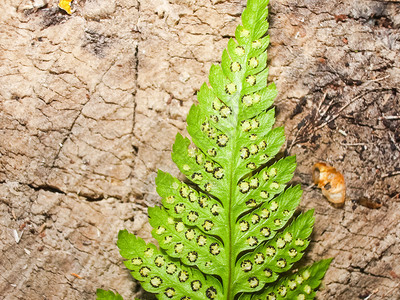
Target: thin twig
377, 79
322, 101
392, 290
369, 296
329, 119
354, 144
394, 173
389, 118
300, 129
394, 141
309, 187
327, 108
294, 140
340, 110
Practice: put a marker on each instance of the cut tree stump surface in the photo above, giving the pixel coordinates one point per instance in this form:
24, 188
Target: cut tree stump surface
90, 104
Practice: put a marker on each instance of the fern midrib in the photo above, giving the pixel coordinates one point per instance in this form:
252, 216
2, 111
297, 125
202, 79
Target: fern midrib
231, 262
232, 186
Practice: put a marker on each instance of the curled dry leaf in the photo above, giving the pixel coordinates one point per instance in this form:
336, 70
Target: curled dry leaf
331, 182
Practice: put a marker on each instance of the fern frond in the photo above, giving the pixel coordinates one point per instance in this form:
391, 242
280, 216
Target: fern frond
224, 235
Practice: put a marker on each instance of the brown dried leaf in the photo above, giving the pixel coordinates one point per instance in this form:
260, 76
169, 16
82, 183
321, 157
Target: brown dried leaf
331, 182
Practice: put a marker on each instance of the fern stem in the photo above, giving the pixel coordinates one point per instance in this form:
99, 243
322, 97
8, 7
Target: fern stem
227, 287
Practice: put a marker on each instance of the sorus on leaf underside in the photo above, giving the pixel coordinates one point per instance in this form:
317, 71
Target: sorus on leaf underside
229, 233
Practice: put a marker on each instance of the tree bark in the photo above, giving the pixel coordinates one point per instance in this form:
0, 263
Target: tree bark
90, 104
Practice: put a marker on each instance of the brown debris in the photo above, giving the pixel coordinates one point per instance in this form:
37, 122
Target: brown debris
340, 18
76, 275
331, 182
393, 274
22, 226
367, 202
42, 228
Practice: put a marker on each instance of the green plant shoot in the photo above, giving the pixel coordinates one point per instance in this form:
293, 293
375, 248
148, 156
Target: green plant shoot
229, 231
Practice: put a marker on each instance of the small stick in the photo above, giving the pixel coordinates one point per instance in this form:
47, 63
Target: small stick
394, 141
369, 296
389, 118
298, 131
294, 141
394, 173
327, 108
355, 144
340, 110
392, 290
377, 79
310, 187
322, 101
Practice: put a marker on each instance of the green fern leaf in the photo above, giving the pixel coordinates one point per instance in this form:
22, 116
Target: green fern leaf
278, 255
225, 233
300, 285
162, 274
107, 295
